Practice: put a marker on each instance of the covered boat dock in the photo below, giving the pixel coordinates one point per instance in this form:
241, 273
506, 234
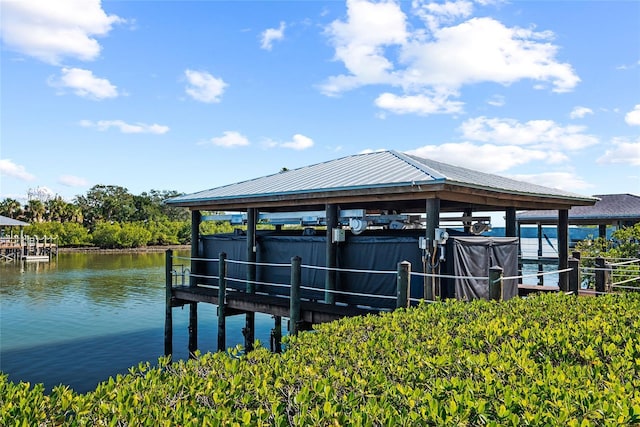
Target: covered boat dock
384, 193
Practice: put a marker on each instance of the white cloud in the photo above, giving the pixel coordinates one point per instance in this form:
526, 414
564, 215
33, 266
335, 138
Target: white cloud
484, 50
83, 83
9, 168
372, 150
230, 139
538, 134
418, 104
299, 142
378, 47
72, 181
486, 158
633, 117
435, 14
580, 112
52, 30
496, 101
270, 35
359, 43
562, 180
124, 127
624, 151
204, 87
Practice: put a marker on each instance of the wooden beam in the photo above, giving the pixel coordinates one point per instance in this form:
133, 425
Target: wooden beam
563, 248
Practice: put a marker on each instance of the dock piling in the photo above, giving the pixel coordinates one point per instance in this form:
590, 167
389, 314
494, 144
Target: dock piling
294, 303
402, 284
495, 283
222, 293
168, 318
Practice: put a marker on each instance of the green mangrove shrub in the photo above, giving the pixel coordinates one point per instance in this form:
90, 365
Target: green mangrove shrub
548, 360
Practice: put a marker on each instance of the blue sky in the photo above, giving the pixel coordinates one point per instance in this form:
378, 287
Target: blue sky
190, 95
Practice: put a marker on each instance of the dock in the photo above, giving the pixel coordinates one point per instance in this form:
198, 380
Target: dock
27, 248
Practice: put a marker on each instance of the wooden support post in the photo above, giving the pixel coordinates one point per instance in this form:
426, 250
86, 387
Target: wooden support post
276, 335
540, 267
601, 277
602, 231
495, 283
402, 284
563, 249
196, 218
331, 251
510, 222
432, 222
249, 328
193, 329
467, 226
294, 297
574, 275
168, 313
222, 301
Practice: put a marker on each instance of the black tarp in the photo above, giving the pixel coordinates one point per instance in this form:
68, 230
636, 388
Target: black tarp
370, 252
363, 252
473, 256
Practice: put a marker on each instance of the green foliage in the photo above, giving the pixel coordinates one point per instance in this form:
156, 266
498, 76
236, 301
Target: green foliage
216, 227
152, 222
116, 235
165, 232
624, 245
552, 360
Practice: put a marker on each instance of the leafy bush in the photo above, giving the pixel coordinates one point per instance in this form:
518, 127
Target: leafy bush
544, 360
116, 235
624, 245
74, 234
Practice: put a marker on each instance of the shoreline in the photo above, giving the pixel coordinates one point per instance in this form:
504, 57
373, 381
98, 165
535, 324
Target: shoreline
143, 249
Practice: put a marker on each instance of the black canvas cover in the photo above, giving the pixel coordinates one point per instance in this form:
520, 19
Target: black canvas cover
362, 252
370, 252
473, 256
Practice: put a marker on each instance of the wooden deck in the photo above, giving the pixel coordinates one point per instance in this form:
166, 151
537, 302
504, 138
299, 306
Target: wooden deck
312, 312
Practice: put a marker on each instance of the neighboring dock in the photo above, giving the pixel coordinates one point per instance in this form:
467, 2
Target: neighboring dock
27, 248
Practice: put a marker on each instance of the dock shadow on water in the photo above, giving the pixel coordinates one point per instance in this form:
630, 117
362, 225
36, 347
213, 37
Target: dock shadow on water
87, 317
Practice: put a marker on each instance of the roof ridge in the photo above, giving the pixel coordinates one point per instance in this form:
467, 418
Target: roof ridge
420, 166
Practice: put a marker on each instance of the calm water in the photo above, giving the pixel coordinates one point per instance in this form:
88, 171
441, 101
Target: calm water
86, 317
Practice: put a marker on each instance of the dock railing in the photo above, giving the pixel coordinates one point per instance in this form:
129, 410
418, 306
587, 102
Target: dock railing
21, 247
291, 303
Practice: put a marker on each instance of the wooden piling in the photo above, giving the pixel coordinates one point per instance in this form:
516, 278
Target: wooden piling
574, 275
563, 249
250, 318
294, 298
495, 283
331, 251
432, 222
196, 218
402, 284
276, 335
168, 316
222, 293
601, 277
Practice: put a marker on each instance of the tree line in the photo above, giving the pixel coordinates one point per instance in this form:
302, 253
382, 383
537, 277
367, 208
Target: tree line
107, 216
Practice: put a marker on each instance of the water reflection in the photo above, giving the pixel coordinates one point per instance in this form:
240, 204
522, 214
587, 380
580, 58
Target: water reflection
85, 317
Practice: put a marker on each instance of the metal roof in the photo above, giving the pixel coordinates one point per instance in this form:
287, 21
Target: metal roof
608, 209
376, 172
5, 221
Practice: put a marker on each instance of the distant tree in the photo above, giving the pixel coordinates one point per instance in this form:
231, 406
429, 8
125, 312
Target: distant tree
11, 208
55, 209
106, 203
34, 211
